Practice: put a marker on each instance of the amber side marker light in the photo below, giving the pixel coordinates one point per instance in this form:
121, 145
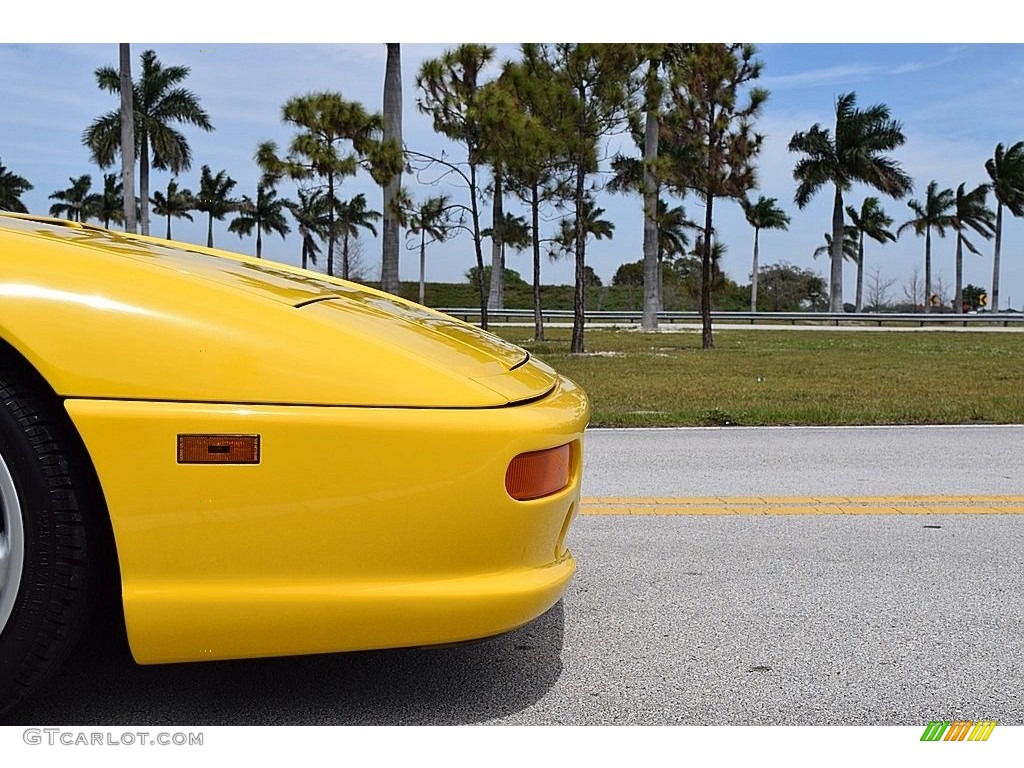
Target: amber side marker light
538, 473
218, 449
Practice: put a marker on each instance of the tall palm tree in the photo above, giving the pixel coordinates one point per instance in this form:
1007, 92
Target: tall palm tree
109, 204
12, 187
158, 103
74, 201
213, 198
353, 215
933, 213
127, 120
1006, 169
392, 133
870, 221
310, 214
651, 243
429, 221
853, 152
969, 212
764, 214
265, 215
176, 203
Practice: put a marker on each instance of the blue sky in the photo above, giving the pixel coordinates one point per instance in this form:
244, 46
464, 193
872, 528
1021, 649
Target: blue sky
956, 102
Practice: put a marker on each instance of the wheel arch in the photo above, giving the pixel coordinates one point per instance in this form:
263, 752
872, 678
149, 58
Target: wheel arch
12, 357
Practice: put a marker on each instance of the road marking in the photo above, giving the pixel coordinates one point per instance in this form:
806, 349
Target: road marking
806, 505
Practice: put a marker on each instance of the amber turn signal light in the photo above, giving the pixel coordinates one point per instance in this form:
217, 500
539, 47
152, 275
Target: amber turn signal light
538, 473
218, 449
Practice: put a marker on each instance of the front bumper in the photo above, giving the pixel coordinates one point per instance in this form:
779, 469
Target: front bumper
360, 528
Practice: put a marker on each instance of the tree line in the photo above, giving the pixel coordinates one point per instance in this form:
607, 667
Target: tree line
533, 130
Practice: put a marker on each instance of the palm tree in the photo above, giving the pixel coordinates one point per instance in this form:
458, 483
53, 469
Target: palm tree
764, 214
870, 221
969, 212
109, 205
158, 102
672, 225
353, 215
266, 215
213, 198
310, 214
392, 133
564, 243
652, 202
854, 153
430, 221
932, 213
127, 120
672, 241
12, 187
176, 203
849, 245
74, 201
1006, 169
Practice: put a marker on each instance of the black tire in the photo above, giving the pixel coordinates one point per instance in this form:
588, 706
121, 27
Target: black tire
50, 598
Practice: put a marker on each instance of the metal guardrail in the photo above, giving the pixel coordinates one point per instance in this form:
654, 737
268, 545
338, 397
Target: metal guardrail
1004, 319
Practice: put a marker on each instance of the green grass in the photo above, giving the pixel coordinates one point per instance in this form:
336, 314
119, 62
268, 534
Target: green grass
792, 377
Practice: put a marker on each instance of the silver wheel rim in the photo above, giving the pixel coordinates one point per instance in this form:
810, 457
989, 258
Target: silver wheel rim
12, 544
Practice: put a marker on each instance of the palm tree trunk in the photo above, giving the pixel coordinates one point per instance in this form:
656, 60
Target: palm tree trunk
661, 281
995, 257
330, 224
928, 270
538, 316
127, 138
496, 297
259, 241
168, 226
144, 182
392, 132
753, 274
959, 303
423, 266
652, 267
860, 275
835, 303
209, 230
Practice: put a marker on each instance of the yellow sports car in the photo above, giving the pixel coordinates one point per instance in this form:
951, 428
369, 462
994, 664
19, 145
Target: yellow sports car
270, 461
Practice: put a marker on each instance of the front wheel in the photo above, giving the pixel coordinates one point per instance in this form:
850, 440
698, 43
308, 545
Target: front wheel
49, 536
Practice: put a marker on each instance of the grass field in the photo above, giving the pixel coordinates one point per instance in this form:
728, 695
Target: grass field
792, 377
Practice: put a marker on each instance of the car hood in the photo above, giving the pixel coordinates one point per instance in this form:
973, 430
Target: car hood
103, 314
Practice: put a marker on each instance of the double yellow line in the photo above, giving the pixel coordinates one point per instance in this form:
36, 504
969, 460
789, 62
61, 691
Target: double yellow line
806, 505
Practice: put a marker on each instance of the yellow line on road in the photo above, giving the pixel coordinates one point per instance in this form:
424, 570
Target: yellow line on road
806, 505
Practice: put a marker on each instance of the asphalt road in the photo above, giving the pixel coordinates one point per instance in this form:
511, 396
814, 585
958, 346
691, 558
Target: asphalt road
805, 461
680, 619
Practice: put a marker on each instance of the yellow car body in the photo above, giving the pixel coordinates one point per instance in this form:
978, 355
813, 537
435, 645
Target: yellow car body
377, 515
